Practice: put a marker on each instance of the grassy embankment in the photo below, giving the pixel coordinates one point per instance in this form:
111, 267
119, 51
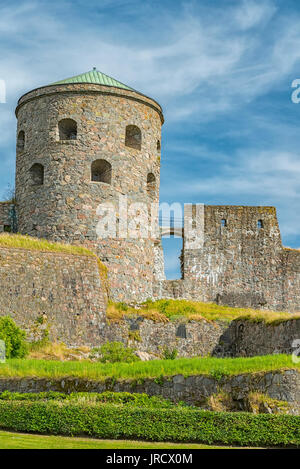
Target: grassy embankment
16, 241
171, 310
150, 369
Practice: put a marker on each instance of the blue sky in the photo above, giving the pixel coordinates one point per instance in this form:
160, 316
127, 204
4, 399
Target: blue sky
222, 70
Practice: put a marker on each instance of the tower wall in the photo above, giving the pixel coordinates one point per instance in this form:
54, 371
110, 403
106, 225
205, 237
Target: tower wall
239, 262
64, 207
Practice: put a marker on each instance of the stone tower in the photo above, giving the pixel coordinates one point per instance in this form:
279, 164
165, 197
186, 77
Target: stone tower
82, 142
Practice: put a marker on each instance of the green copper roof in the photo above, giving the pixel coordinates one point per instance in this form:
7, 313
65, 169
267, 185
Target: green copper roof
95, 77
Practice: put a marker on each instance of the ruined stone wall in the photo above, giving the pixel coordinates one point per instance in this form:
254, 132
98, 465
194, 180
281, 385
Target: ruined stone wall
60, 292
239, 262
64, 208
233, 255
240, 338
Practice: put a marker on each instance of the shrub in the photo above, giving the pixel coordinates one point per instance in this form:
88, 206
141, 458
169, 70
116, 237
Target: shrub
113, 352
14, 338
169, 354
118, 421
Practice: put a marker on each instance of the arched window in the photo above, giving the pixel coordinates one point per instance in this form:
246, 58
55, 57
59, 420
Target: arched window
37, 174
21, 141
158, 145
151, 185
133, 137
67, 129
101, 171
223, 222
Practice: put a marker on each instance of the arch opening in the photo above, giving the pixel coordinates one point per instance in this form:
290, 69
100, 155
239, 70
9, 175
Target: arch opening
21, 141
67, 129
173, 257
133, 137
151, 185
101, 171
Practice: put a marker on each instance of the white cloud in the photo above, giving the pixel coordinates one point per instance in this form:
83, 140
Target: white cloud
252, 177
251, 13
202, 65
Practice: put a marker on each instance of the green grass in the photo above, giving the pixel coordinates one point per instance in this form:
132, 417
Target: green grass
10, 440
150, 369
170, 310
35, 244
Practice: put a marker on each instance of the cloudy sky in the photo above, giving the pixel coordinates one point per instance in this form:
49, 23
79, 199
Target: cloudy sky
222, 70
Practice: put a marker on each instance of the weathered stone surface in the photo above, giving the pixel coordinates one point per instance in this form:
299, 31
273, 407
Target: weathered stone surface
7, 214
279, 385
52, 290
218, 338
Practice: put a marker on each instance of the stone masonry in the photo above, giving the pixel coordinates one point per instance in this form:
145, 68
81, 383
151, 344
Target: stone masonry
53, 291
64, 207
195, 390
234, 256
239, 338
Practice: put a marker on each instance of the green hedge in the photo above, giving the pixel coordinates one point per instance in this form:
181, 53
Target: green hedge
118, 421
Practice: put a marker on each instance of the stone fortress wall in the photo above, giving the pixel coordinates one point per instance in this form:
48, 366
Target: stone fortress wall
234, 256
60, 292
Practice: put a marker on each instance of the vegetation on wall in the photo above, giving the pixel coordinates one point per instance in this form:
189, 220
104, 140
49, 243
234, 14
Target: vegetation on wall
171, 310
35, 244
114, 352
124, 398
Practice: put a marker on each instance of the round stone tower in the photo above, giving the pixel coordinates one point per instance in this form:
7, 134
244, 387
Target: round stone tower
81, 143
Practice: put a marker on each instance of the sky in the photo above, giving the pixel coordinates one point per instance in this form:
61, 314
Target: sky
222, 71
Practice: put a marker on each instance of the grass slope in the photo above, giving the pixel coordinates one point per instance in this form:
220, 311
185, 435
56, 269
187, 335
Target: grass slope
36, 244
150, 369
170, 310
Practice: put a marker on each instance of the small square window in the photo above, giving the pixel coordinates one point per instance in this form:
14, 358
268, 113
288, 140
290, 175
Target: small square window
7, 228
260, 224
